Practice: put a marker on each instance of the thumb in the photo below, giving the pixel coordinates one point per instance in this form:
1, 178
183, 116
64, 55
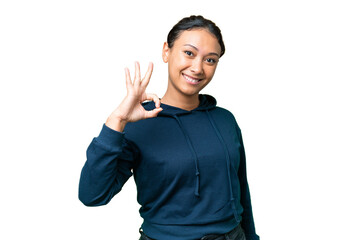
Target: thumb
152, 113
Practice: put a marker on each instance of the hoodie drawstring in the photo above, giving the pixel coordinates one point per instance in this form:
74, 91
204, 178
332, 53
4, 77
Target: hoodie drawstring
227, 156
228, 164
197, 173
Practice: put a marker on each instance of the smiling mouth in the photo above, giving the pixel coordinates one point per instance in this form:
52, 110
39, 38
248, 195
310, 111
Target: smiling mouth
191, 80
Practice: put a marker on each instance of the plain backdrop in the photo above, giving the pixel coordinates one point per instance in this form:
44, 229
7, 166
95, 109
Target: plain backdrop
290, 75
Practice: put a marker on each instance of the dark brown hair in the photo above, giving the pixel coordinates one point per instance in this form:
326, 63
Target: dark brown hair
194, 22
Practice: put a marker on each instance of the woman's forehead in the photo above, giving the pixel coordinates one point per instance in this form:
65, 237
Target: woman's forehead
199, 38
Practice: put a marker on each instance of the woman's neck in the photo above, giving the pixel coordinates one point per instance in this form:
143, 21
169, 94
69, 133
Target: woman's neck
181, 101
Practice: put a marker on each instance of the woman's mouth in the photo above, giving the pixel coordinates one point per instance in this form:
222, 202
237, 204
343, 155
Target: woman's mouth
191, 80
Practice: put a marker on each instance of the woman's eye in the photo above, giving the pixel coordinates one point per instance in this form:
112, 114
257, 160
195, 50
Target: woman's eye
211, 60
188, 53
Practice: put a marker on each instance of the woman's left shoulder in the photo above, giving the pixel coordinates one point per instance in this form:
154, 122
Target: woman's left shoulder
224, 114
223, 111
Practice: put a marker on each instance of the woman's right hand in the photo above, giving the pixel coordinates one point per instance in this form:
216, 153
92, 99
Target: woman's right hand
130, 109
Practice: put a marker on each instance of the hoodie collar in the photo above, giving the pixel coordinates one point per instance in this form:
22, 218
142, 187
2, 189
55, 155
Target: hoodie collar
207, 102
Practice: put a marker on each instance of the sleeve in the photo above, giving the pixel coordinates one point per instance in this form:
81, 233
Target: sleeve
247, 222
110, 159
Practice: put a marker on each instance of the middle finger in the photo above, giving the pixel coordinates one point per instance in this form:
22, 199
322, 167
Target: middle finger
137, 78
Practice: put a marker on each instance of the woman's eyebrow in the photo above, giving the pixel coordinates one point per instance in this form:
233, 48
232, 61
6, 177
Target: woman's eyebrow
212, 53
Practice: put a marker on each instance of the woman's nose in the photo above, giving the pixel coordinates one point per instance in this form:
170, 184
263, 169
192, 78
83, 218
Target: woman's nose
197, 67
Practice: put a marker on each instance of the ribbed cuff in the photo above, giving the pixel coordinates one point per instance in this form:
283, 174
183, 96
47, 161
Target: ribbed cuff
110, 137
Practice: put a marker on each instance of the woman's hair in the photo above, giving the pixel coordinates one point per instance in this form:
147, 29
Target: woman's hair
194, 22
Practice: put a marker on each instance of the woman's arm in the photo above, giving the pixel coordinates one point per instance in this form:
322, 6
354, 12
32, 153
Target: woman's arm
247, 222
110, 159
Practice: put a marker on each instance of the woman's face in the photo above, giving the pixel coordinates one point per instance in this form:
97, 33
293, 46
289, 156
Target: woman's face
192, 61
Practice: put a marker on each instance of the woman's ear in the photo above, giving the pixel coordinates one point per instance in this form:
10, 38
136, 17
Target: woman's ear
165, 52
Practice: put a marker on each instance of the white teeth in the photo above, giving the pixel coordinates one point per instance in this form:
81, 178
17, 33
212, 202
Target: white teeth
191, 79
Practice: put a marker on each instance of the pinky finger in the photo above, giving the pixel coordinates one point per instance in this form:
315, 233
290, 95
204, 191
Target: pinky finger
147, 77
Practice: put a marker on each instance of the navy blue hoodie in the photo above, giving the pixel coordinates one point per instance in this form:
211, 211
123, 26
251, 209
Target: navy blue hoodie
189, 168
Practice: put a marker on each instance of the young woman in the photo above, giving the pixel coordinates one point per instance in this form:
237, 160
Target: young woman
186, 154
